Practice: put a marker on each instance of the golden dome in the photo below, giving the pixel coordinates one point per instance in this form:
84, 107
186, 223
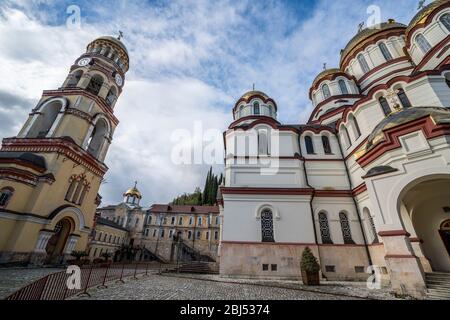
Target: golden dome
325, 73
252, 93
358, 41
423, 14
133, 192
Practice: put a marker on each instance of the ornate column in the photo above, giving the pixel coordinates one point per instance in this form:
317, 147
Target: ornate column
71, 243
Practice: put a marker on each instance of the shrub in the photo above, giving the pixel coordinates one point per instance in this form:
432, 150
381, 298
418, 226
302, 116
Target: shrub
309, 262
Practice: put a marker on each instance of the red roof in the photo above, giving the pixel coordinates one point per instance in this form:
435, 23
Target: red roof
165, 208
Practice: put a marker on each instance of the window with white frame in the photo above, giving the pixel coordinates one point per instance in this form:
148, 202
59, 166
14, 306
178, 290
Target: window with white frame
423, 43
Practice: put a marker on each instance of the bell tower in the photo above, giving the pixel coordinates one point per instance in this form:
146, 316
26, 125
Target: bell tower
50, 173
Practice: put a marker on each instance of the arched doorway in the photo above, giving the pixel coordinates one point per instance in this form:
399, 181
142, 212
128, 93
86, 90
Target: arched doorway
57, 243
425, 209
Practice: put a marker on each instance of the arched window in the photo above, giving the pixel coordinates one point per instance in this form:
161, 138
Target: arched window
403, 98
345, 226
371, 225
326, 91
384, 50
326, 145
241, 111
267, 226
75, 78
180, 221
189, 234
309, 145
355, 125
343, 87
5, 196
445, 20
78, 188
324, 228
95, 84
98, 135
44, 122
263, 142
363, 63
385, 106
423, 43
346, 137
111, 97
256, 110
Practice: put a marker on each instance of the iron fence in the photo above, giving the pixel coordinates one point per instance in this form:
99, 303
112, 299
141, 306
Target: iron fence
54, 286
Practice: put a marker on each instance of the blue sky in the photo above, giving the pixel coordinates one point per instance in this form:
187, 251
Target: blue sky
190, 61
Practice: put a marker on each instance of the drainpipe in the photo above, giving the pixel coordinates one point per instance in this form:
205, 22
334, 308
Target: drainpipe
366, 246
309, 186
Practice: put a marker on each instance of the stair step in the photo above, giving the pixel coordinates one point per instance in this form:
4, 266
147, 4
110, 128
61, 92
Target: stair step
439, 292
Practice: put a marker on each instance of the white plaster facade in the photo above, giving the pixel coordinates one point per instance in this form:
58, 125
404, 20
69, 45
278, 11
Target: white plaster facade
365, 182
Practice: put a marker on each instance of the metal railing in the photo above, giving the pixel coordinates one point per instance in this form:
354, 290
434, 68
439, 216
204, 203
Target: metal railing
55, 287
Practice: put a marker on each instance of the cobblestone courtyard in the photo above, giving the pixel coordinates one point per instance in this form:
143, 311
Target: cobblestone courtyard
166, 287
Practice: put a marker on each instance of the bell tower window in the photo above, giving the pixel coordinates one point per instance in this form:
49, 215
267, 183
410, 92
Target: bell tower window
44, 121
95, 84
5, 196
75, 78
97, 138
111, 97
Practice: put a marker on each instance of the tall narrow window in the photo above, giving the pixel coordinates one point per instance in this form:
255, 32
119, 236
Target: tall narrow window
324, 228
345, 226
241, 111
343, 87
256, 110
189, 234
423, 43
111, 97
326, 145
75, 78
447, 79
326, 91
445, 19
363, 63
355, 126
5, 196
267, 226
78, 188
180, 221
403, 98
97, 138
45, 120
371, 225
384, 50
263, 142
385, 106
309, 145
346, 137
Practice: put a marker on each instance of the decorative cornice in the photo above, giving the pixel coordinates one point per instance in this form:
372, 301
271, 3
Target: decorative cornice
62, 146
394, 233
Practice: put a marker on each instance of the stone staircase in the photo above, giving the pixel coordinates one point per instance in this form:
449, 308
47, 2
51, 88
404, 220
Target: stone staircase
199, 267
438, 285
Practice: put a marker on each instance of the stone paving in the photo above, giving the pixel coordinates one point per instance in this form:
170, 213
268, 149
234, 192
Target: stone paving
12, 279
167, 287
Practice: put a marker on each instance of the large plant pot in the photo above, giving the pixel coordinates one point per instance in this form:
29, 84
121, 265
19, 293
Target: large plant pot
310, 278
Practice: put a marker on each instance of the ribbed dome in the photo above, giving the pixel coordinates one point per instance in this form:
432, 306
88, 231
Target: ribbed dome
358, 40
325, 73
115, 41
252, 93
423, 14
133, 192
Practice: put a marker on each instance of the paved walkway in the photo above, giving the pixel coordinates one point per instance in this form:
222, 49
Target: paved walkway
168, 287
12, 279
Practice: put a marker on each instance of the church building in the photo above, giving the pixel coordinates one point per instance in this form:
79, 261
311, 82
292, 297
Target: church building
50, 173
365, 182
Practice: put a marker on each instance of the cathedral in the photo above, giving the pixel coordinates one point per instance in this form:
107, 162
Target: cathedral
365, 183
50, 173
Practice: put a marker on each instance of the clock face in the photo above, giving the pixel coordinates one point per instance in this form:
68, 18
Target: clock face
119, 80
84, 62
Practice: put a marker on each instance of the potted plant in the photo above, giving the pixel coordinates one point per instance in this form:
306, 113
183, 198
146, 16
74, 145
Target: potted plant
78, 255
310, 268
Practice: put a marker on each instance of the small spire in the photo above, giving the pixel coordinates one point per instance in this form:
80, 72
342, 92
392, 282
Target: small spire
135, 184
324, 66
253, 87
421, 4
120, 35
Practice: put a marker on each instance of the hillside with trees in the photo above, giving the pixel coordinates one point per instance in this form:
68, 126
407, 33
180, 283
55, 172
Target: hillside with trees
206, 197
